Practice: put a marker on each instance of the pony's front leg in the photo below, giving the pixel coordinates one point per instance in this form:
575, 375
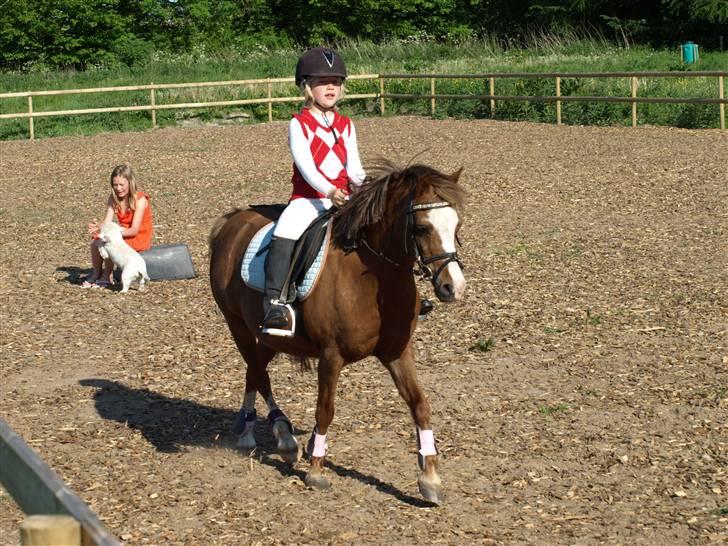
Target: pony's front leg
329, 368
404, 375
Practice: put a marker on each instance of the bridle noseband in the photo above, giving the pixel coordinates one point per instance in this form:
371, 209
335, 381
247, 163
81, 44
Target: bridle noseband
423, 263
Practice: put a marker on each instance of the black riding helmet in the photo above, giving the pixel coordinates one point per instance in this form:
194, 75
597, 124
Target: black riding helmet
319, 61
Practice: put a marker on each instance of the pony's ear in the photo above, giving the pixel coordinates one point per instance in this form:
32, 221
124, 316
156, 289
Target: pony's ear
456, 175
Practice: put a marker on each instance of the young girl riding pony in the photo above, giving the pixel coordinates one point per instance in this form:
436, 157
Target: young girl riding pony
325, 161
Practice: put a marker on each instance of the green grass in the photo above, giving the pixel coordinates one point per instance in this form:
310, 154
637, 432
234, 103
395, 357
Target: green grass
592, 319
574, 252
550, 410
483, 345
520, 248
567, 53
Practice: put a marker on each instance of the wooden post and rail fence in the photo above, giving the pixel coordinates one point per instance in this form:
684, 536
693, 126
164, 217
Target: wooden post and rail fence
558, 98
56, 515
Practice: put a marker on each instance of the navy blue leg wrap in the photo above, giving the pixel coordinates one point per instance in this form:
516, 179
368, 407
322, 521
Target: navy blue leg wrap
277, 415
241, 418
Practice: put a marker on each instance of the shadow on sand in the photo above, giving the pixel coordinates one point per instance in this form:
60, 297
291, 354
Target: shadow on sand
170, 423
75, 274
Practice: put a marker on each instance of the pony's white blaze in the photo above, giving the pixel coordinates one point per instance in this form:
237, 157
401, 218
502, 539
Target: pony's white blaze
445, 222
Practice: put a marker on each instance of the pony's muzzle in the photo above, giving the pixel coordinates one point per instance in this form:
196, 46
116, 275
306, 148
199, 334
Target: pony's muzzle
451, 284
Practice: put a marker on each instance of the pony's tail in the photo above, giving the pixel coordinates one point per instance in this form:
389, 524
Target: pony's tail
307, 364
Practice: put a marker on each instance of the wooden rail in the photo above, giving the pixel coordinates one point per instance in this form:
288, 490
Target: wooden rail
153, 107
38, 490
559, 98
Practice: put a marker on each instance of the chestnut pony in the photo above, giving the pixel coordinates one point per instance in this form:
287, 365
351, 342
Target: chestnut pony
364, 303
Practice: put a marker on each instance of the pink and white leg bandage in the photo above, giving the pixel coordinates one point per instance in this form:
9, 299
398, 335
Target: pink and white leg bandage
427, 442
319, 445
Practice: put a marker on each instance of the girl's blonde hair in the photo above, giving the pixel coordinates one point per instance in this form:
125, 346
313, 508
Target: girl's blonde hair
308, 93
130, 199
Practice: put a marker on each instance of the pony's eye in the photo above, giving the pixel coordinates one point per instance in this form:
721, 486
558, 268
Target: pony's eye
421, 230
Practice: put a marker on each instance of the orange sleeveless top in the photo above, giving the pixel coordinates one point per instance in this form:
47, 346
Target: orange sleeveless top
143, 239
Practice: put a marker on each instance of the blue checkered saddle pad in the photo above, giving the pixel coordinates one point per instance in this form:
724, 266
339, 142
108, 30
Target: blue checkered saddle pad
253, 267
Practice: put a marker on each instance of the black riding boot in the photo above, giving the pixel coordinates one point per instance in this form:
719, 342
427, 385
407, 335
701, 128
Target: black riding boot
278, 317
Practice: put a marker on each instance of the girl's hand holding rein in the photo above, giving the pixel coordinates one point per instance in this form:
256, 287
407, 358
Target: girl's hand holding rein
338, 197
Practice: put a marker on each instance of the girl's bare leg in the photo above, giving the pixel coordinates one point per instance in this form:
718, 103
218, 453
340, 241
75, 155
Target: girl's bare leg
96, 263
108, 270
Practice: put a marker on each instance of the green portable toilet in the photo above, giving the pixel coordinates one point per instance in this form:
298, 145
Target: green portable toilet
689, 53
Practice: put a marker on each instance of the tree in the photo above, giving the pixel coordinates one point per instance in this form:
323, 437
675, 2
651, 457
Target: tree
61, 33
711, 11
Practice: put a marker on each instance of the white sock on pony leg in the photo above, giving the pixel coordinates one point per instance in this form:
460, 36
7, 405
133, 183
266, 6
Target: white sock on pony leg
249, 401
246, 437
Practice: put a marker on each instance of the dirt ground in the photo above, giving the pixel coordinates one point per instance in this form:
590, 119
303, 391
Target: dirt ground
579, 394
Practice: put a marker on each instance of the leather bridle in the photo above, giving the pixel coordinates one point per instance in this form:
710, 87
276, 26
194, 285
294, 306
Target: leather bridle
423, 262
413, 248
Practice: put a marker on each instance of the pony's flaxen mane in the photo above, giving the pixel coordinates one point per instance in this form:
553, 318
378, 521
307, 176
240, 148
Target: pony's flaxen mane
368, 202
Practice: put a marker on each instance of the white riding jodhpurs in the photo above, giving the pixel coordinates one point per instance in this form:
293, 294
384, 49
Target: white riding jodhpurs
298, 215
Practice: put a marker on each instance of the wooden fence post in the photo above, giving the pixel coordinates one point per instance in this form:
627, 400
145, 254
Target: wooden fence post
381, 95
31, 128
270, 102
153, 103
50, 530
558, 102
492, 101
432, 92
721, 94
633, 85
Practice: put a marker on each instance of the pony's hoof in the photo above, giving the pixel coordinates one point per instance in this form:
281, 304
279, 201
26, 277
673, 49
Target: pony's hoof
286, 444
430, 491
317, 481
289, 454
246, 443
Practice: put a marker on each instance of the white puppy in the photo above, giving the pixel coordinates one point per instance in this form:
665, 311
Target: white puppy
112, 246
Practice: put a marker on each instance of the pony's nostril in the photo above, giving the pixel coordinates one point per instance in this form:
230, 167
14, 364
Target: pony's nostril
446, 291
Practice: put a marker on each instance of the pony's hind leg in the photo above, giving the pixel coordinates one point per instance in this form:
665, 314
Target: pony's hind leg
244, 424
286, 443
404, 375
257, 380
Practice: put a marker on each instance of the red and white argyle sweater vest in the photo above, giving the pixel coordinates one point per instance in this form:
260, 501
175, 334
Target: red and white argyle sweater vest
328, 148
